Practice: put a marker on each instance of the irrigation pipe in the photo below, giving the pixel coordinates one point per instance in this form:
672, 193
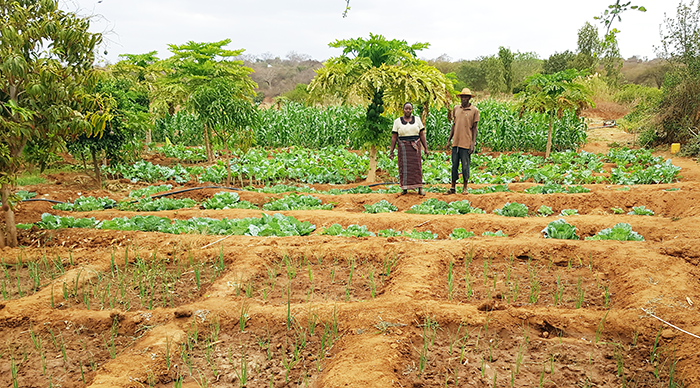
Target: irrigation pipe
41, 199
195, 188
673, 326
217, 241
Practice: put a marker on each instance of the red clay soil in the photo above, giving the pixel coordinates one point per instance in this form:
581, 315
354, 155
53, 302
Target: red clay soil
132, 309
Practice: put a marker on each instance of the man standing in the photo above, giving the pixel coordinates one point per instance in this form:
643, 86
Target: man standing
463, 138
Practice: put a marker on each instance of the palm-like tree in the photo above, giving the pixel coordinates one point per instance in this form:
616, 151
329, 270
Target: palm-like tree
382, 74
554, 94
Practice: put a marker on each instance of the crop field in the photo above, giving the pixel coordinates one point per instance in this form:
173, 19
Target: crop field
550, 273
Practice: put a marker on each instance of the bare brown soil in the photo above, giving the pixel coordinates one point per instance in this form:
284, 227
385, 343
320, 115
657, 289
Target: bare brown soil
132, 309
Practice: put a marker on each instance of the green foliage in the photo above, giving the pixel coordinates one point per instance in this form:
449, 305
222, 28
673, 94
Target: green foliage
297, 202
512, 210
465, 207
460, 233
617, 210
181, 128
416, 235
294, 124
227, 200
436, 206
559, 62
149, 190
678, 118
149, 172
641, 211
160, 204
619, 232
498, 233
389, 233
86, 204
545, 211
128, 121
182, 153
24, 194
560, 229
351, 231
382, 206
568, 212
299, 94
275, 225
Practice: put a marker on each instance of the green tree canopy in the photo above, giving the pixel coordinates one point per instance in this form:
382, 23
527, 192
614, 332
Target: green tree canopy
194, 65
380, 73
46, 57
553, 94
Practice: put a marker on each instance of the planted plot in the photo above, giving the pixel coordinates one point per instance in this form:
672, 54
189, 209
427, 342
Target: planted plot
506, 355
27, 275
134, 282
250, 354
63, 353
492, 282
302, 279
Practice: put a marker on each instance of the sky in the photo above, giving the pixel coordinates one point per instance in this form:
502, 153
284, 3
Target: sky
458, 29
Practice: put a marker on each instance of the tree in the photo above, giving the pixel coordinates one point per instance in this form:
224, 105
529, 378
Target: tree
222, 108
493, 72
126, 105
506, 57
559, 62
471, 75
612, 61
588, 48
194, 65
678, 116
554, 94
46, 56
382, 74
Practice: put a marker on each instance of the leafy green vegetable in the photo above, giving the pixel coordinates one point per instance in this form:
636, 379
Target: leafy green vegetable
389, 233
297, 202
149, 190
560, 229
465, 207
577, 189
148, 204
641, 211
619, 232
382, 206
545, 211
512, 210
617, 210
24, 194
460, 233
275, 225
86, 204
227, 200
351, 231
569, 212
494, 234
432, 206
489, 189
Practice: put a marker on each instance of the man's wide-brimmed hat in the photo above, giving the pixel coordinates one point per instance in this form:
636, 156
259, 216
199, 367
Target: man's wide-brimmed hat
466, 92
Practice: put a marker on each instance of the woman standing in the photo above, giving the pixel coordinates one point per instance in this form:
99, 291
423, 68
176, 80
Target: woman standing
409, 133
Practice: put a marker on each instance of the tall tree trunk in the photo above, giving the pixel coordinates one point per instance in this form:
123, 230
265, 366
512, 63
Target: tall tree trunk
372, 173
549, 136
10, 237
149, 136
96, 167
207, 145
228, 165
